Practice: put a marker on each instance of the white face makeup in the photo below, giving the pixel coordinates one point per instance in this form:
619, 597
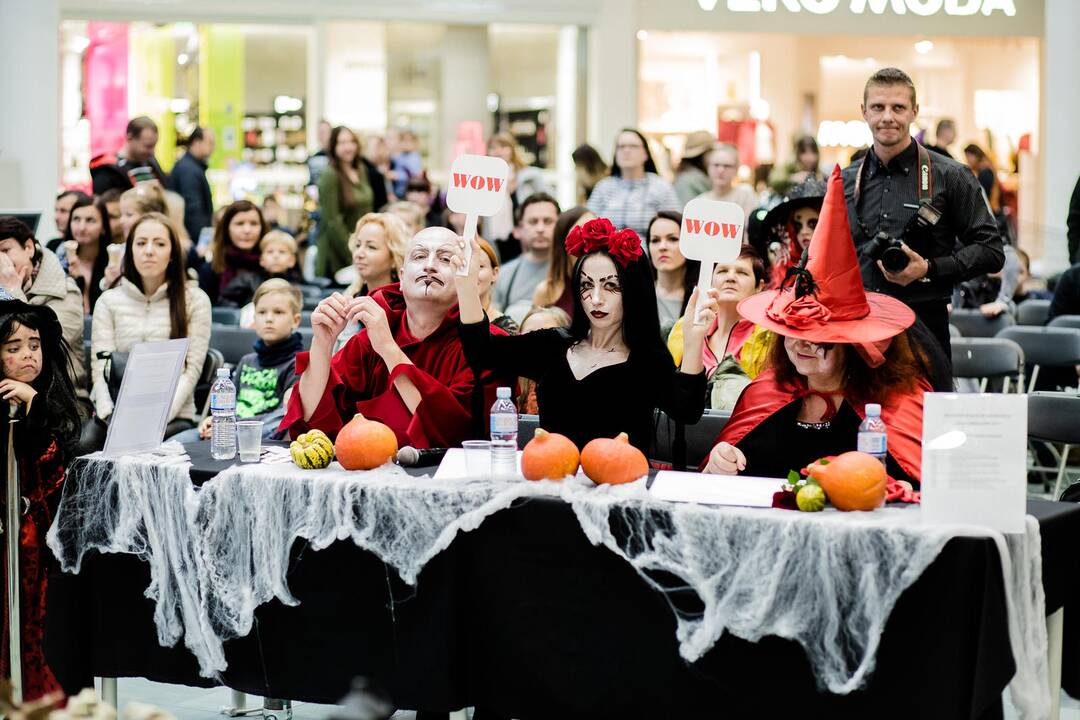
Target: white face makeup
427, 274
804, 220
601, 292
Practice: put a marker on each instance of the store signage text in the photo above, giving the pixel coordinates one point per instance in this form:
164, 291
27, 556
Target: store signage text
477, 182
878, 7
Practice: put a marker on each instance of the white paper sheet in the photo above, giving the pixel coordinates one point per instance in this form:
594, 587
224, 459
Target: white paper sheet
452, 466
974, 460
146, 394
709, 489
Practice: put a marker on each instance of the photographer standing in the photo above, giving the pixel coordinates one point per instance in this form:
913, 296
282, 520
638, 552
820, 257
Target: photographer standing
919, 220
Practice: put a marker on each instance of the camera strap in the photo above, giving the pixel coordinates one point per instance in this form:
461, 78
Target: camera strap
924, 180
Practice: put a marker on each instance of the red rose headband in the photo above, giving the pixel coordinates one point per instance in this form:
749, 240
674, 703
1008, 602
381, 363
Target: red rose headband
599, 234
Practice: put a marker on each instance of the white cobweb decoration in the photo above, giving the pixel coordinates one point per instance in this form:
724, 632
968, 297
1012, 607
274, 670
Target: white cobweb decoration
828, 581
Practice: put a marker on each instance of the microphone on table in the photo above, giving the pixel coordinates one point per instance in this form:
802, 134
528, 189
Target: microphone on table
409, 456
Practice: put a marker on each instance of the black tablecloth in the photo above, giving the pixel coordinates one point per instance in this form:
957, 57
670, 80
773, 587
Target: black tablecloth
524, 616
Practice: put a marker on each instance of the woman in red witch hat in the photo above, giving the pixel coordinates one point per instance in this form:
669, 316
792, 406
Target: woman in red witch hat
836, 348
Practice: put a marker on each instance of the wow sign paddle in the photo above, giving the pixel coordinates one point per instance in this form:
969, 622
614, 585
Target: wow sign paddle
477, 189
711, 233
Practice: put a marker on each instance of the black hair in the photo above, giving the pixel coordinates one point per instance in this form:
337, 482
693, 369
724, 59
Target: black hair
650, 164
68, 193
54, 383
587, 157
641, 319
691, 268
12, 228
538, 197
196, 135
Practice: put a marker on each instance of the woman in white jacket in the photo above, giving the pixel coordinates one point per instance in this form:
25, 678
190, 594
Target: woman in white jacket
153, 301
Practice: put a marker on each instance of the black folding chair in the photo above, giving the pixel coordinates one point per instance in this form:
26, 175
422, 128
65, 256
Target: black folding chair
1052, 419
1049, 347
87, 326
527, 425
306, 334
984, 359
225, 315
1033, 312
214, 362
1066, 321
972, 323
685, 446
233, 342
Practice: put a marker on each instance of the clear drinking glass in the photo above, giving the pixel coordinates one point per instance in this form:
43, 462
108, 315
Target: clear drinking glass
477, 457
249, 439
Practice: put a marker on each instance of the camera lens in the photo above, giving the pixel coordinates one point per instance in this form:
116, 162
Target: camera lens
894, 259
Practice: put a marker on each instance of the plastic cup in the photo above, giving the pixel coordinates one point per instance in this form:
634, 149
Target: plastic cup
249, 439
477, 458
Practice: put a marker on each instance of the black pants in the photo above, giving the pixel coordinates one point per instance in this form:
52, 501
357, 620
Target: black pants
935, 315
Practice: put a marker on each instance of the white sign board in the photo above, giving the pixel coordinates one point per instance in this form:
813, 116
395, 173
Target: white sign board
151, 375
711, 232
974, 460
706, 489
477, 188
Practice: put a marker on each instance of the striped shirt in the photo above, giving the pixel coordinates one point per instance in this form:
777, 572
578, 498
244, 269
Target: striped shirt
633, 203
964, 244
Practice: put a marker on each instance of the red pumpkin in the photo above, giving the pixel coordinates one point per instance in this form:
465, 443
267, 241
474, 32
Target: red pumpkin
613, 461
364, 444
852, 481
549, 456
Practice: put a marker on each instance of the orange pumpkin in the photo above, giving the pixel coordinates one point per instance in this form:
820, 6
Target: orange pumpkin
613, 461
364, 444
852, 481
549, 456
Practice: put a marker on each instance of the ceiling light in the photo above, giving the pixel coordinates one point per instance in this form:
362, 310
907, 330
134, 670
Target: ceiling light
924, 46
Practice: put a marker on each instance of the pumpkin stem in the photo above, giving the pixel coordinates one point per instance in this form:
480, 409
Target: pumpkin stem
623, 437
540, 433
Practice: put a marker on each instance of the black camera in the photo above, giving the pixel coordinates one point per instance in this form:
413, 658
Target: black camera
889, 250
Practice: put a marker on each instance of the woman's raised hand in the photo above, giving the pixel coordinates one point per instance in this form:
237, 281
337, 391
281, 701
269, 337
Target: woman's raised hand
725, 459
705, 306
468, 286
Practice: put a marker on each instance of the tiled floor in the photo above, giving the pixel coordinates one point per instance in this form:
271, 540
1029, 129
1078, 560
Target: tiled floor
188, 703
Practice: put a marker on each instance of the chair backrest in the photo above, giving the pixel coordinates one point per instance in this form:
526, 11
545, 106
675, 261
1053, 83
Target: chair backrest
1032, 312
527, 425
306, 334
986, 358
972, 323
1066, 321
954, 332
87, 326
305, 318
225, 315
1047, 346
1053, 416
233, 342
214, 361
698, 438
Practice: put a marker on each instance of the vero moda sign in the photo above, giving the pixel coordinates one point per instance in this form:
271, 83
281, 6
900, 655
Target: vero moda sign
924, 8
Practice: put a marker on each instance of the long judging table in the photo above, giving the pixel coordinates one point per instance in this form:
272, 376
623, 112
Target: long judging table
525, 616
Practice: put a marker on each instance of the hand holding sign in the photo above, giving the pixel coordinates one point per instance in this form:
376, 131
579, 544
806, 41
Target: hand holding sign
477, 189
711, 233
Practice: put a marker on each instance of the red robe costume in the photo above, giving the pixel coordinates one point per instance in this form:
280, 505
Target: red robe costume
359, 382
902, 414
41, 478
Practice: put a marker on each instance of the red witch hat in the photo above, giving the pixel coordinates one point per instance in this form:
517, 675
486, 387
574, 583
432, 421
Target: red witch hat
824, 302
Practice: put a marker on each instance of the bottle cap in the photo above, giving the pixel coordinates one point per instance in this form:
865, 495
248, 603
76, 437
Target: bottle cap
503, 392
223, 372
873, 409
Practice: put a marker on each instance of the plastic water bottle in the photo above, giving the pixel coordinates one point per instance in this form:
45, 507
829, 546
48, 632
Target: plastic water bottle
223, 412
504, 431
873, 435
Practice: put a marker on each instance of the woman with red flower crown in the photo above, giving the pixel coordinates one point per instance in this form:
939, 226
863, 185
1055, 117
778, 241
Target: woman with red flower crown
836, 347
610, 370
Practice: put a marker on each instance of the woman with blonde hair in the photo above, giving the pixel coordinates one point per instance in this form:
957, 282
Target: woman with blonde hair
378, 252
524, 180
489, 273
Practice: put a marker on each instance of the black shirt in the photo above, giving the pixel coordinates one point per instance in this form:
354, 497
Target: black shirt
781, 443
1066, 294
607, 401
964, 244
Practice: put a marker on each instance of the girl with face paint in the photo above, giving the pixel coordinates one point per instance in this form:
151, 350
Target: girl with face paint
36, 383
609, 371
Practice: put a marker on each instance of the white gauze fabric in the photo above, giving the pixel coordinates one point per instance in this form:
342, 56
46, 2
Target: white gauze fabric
826, 580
